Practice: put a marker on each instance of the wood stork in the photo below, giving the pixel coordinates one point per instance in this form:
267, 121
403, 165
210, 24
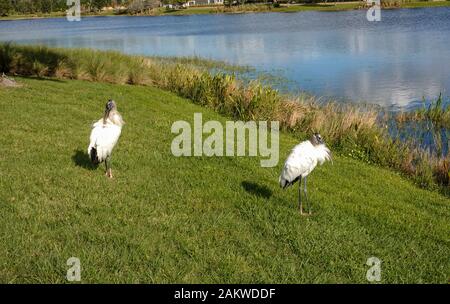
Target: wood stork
301, 162
104, 136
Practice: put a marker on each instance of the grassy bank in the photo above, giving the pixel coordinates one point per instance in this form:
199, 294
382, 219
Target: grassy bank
61, 14
414, 4
348, 129
197, 219
255, 8
292, 8
250, 8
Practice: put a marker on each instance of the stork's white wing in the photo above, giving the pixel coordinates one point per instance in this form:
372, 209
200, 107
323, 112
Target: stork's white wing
300, 162
103, 138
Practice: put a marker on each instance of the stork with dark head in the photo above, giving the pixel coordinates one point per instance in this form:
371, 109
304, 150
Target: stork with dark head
301, 162
104, 136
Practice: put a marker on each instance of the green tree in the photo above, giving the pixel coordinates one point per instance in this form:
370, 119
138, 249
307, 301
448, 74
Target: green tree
5, 7
99, 4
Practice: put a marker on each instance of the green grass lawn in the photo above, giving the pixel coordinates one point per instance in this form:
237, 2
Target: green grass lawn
281, 9
329, 6
192, 219
421, 4
62, 14
319, 7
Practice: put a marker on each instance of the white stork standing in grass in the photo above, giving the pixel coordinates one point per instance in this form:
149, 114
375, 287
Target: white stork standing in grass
301, 162
104, 136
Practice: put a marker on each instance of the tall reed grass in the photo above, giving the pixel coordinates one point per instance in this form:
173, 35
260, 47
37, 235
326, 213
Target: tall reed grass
436, 112
349, 129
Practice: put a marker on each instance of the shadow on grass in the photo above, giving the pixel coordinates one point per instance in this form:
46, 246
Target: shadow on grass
81, 159
257, 190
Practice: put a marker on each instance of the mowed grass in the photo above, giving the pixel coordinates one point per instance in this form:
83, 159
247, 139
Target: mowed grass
164, 219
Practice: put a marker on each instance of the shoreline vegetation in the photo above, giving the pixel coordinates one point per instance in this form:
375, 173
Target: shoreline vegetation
350, 130
237, 9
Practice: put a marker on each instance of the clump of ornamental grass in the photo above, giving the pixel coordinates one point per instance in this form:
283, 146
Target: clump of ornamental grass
204, 63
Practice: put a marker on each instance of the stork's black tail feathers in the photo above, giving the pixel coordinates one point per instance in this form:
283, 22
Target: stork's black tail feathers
94, 158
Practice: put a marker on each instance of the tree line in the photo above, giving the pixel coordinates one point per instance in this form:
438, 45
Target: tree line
24, 7
47, 6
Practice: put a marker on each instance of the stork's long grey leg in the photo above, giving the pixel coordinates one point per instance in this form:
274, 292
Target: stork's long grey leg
108, 166
300, 195
306, 197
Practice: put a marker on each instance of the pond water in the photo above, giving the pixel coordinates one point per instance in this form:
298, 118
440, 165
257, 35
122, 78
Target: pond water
395, 62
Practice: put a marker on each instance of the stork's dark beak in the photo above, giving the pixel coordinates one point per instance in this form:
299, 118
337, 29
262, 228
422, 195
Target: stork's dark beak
107, 110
